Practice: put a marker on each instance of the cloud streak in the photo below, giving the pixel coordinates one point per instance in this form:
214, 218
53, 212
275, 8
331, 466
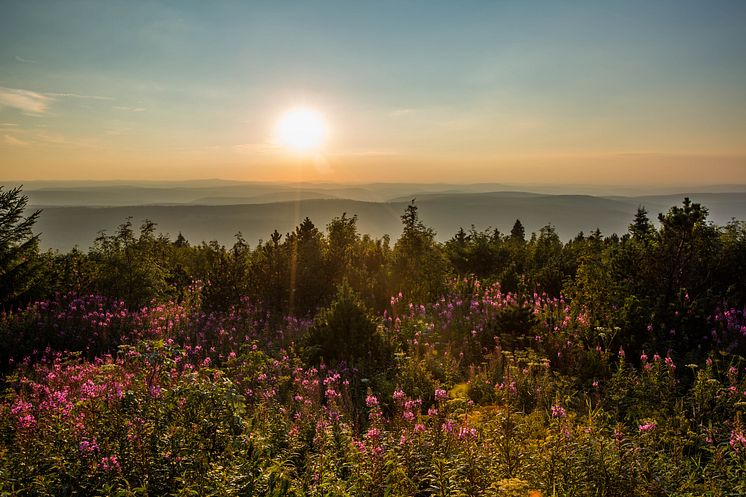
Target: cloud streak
78, 95
24, 100
12, 140
25, 61
402, 112
130, 109
33, 102
254, 148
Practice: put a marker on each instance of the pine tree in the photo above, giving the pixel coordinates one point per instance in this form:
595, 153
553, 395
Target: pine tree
419, 267
518, 233
641, 229
19, 247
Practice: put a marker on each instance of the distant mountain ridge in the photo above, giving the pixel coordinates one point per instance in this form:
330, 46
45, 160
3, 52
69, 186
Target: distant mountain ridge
220, 218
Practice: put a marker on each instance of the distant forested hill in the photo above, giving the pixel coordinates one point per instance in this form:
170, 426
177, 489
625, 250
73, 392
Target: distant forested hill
64, 226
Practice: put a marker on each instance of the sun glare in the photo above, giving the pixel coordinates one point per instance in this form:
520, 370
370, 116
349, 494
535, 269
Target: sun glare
301, 129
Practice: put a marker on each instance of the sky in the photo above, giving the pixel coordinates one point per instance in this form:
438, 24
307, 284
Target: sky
597, 92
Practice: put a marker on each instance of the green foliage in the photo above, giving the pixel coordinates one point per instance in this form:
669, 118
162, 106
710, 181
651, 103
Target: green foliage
227, 275
418, 265
605, 365
345, 333
131, 267
19, 248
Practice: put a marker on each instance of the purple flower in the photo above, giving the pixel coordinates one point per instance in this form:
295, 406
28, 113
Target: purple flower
737, 440
558, 411
467, 432
26, 422
110, 463
373, 434
399, 395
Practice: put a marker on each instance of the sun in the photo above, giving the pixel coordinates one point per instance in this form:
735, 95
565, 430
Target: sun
301, 129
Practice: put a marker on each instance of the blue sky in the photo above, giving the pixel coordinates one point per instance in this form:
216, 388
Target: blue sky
473, 91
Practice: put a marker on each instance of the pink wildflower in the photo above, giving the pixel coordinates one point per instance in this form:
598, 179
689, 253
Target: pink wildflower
110, 463
399, 395
737, 440
558, 411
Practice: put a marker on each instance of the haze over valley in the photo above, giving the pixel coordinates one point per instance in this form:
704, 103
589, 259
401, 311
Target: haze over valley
74, 213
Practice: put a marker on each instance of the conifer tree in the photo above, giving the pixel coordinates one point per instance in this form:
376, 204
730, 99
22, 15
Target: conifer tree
19, 247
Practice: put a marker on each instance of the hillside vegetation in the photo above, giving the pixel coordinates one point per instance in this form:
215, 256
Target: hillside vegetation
324, 361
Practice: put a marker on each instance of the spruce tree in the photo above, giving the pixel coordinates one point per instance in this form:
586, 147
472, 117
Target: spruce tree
19, 248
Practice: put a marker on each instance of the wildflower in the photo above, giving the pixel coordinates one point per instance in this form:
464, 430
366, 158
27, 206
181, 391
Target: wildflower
648, 426
26, 422
447, 426
737, 440
371, 401
467, 433
87, 447
373, 434
110, 463
669, 362
399, 395
558, 411
440, 394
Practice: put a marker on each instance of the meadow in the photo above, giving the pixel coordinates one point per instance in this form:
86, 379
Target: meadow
332, 363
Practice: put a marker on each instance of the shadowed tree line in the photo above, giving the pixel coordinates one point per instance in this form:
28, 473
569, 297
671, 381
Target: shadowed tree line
656, 283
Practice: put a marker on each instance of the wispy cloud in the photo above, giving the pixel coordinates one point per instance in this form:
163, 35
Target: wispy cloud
12, 140
254, 148
35, 103
78, 95
25, 61
130, 109
8, 125
367, 152
402, 112
24, 100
